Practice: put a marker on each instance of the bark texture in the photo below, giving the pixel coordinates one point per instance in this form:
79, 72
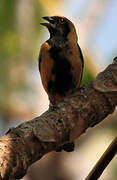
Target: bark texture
28, 142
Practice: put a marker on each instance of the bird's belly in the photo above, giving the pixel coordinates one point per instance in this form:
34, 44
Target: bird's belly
63, 80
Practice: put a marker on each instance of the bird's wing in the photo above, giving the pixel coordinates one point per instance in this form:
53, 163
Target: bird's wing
45, 65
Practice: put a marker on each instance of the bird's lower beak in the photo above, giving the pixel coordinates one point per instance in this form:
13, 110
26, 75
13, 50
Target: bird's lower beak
50, 20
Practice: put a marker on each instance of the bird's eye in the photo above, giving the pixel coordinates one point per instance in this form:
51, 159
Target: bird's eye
61, 20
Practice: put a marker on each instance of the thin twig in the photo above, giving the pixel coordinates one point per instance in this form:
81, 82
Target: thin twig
103, 161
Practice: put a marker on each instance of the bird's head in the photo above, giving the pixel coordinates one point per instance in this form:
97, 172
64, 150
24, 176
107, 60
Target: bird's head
60, 26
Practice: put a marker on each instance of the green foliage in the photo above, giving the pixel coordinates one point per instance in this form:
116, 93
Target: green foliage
87, 76
8, 37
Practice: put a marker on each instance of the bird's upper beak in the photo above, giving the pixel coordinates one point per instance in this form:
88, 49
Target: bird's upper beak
50, 20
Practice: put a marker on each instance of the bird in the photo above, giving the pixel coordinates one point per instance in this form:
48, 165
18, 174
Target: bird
60, 62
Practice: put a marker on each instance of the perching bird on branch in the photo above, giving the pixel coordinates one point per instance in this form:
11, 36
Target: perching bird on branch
60, 62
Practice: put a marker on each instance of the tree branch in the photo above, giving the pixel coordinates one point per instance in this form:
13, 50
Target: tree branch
27, 143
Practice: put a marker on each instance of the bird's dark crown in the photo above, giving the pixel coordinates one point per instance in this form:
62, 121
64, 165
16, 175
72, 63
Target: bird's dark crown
59, 26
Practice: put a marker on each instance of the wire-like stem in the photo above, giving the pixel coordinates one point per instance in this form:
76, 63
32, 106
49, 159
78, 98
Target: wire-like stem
103, 161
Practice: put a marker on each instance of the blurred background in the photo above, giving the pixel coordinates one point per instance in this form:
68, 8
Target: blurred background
22, 96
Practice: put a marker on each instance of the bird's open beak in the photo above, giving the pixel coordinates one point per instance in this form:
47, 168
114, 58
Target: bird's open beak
50, 20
